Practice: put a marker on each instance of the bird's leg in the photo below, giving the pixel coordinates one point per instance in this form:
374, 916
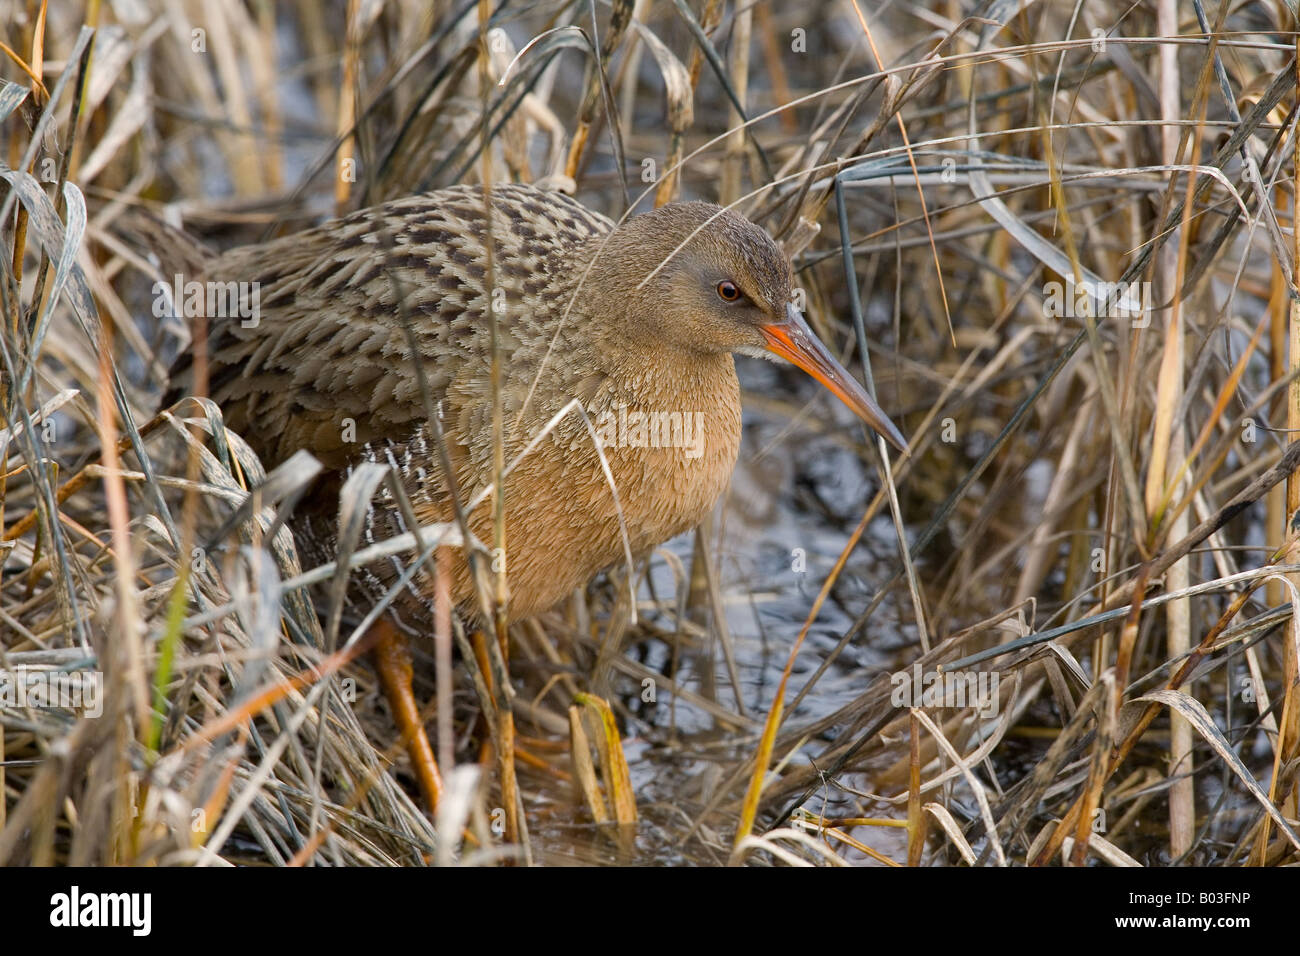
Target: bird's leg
502, 737
393, 663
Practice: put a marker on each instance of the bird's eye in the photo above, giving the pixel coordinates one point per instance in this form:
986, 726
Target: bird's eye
728, 291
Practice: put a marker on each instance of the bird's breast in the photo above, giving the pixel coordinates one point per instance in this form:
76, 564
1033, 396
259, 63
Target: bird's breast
646, 464
664, 448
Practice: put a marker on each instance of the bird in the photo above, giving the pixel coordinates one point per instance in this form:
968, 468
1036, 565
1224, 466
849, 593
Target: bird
615, 396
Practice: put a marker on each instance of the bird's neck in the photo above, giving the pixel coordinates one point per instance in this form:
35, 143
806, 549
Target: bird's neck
666, 377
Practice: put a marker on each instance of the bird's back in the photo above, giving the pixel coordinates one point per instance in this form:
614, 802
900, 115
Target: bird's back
325, 363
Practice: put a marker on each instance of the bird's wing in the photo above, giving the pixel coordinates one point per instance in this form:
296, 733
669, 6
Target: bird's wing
325, 363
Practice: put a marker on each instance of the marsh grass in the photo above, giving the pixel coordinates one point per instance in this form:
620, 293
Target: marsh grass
1110, 492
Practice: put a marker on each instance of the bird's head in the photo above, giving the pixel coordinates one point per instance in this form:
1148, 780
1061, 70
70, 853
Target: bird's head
698, 277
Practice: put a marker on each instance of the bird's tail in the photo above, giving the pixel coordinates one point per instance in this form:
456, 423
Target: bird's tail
175, 253
174, 250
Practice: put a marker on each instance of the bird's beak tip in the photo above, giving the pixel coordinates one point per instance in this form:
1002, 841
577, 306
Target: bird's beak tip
793, 341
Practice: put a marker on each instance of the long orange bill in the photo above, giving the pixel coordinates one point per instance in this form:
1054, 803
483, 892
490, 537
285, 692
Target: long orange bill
795, 342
